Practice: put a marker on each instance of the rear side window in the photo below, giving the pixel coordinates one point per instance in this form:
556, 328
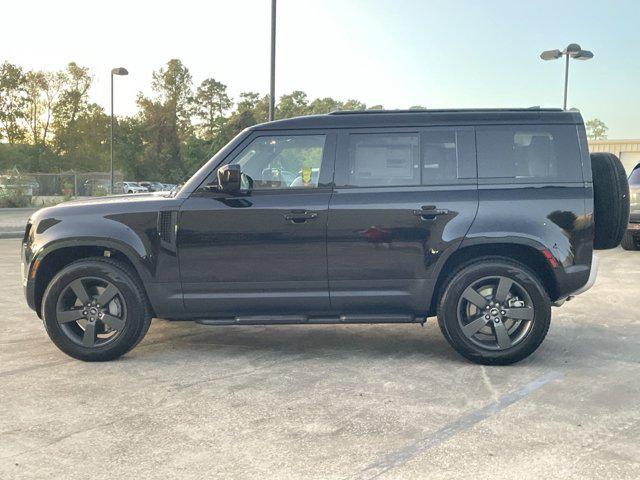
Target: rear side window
384, 159
448, 154
529, 153
431, 156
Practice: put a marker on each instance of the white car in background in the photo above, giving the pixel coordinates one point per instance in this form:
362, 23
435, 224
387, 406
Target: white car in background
129, 187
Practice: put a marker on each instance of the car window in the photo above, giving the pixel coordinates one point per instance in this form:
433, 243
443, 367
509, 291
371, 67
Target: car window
284, 161
433, 156
448, 154
529, 153
384, 159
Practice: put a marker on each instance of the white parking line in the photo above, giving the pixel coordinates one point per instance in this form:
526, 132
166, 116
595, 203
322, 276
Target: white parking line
403, 455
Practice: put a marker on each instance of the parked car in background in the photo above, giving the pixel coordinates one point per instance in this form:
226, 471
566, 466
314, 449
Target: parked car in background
483, 218
129, 187
152, 186
631, 239
96, 187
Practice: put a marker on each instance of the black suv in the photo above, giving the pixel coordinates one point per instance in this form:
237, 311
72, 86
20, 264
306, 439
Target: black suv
484, 218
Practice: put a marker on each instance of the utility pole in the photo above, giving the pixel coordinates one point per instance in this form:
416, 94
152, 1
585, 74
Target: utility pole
272, 86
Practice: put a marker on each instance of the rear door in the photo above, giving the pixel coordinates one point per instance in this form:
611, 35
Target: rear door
262, 250
404, 199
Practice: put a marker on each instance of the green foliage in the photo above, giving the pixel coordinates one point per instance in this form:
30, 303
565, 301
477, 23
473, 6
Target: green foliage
14, 188
596, 129
210, 104
13, 100
48, 124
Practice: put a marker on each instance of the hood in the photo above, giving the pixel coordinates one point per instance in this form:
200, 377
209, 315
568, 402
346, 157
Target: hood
116, 204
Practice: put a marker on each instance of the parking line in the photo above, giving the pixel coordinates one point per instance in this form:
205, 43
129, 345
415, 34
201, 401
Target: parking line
406, 453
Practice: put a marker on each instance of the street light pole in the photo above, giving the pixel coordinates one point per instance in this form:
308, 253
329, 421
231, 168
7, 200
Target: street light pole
272, 83
111, 184
114, 71
574, 51
566, 80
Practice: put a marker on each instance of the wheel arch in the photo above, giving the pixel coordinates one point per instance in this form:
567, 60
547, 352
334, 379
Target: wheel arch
57, 256
528, 255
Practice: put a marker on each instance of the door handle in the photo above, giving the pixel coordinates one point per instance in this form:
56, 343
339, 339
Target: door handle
429, 212
300, 216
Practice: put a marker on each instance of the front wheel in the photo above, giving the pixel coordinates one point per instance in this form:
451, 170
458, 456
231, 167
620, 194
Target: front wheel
95, 310
494, 311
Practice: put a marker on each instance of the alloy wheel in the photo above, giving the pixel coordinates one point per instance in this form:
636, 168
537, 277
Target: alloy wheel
91, 311
495, 313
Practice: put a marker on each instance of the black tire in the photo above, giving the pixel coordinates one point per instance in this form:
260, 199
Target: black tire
527, 334
611, 200
131, 298
628, 241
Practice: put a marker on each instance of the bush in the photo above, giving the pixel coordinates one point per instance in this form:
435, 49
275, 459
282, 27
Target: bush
14, 200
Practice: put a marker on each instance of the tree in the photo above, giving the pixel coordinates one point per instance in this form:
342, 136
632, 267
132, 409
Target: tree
72, 101
324, 105
294, 104
43, 90
211, 101
13, 100
166, 121
354, 105
173, 88
596, 129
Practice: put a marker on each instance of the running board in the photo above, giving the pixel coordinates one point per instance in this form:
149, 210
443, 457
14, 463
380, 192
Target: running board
304, 320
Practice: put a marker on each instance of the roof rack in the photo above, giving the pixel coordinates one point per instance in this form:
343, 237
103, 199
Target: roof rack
442, 110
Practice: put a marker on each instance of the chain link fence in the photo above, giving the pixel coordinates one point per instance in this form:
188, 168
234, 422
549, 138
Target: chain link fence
41, 189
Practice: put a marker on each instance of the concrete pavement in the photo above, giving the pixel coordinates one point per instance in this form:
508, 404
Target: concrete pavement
13, 220
326, 402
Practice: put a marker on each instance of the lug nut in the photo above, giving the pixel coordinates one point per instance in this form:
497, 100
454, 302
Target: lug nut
487, 317
496, 320
502, 312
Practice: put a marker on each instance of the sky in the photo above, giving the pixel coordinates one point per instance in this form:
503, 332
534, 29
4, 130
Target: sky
398, 53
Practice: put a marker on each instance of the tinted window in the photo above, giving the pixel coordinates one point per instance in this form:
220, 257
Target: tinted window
529, 153
434, 157
287, 161
447, 155
384, 159
634, 178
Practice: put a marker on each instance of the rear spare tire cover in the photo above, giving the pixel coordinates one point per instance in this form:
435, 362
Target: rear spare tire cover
610, 199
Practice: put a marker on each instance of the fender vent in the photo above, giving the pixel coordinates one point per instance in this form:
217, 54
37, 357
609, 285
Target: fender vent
167, 221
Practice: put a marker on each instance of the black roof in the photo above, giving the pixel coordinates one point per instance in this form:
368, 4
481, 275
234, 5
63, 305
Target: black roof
414, 118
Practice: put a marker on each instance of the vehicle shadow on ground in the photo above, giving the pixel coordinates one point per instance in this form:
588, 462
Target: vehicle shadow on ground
565, 345
300, 340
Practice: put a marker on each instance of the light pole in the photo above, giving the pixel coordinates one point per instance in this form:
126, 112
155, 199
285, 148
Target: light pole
272, 83
574, 51
115, 71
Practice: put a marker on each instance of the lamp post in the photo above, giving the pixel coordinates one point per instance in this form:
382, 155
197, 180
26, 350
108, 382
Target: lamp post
272, 83
115, 71
574, 51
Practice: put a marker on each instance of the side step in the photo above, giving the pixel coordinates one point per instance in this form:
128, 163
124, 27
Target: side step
304, 320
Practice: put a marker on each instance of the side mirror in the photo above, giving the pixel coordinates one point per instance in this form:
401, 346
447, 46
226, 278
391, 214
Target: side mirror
229, 178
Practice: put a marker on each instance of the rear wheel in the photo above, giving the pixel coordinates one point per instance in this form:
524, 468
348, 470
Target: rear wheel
629, 242
494, 311
95, 310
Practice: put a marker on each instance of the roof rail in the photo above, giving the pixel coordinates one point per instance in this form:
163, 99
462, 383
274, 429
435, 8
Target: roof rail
442, 110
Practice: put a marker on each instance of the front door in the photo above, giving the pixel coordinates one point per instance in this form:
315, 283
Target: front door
404, 199
263, 250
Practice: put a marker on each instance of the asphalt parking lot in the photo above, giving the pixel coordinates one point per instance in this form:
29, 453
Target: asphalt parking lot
326, 402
